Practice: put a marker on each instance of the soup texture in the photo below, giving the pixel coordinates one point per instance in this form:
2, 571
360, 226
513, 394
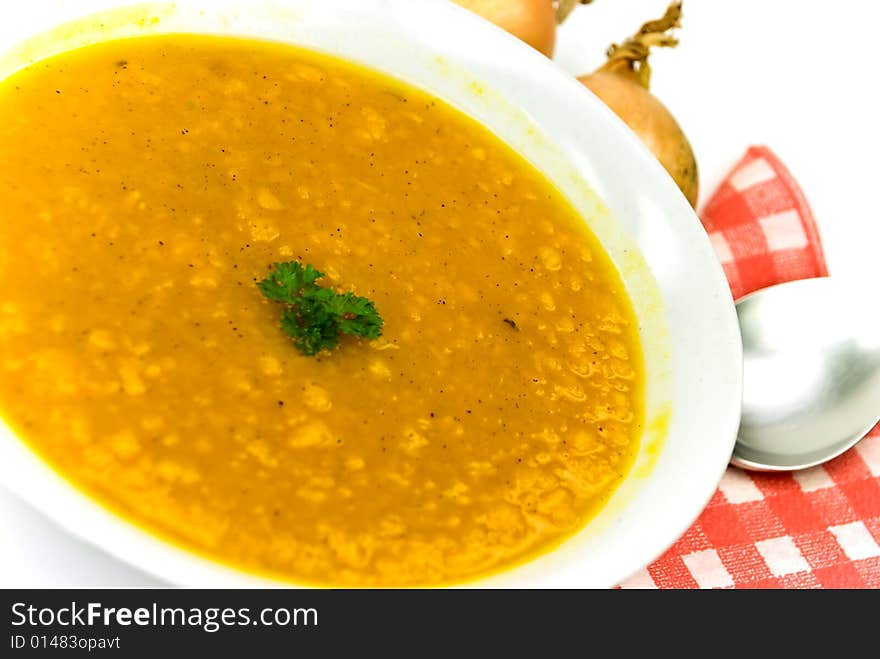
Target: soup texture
147, 184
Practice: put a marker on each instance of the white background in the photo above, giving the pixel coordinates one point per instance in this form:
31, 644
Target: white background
795, 75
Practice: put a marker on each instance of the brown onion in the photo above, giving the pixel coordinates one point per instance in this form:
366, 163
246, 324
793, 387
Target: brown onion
623, 84
533, 21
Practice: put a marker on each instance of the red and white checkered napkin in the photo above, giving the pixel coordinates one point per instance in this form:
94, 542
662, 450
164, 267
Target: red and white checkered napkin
817, 528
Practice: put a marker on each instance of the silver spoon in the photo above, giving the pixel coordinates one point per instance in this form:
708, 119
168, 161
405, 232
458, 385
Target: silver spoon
811, 373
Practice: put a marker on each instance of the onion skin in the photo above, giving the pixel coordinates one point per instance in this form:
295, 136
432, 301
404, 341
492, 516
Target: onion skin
623, 83
652, 122
532, 21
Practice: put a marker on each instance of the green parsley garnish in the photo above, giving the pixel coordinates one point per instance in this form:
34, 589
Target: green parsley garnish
314, 316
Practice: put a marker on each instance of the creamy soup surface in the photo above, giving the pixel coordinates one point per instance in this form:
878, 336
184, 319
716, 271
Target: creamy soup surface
147, 184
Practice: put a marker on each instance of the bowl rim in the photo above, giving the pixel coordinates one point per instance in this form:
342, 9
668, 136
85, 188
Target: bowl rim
651, 215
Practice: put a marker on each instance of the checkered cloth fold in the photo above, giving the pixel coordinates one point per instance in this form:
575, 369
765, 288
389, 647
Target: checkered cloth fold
816, 528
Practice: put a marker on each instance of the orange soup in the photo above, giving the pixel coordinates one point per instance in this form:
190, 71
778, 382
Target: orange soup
147, 185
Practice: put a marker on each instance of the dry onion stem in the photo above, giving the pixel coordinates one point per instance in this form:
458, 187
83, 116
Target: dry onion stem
565, 7
632, 54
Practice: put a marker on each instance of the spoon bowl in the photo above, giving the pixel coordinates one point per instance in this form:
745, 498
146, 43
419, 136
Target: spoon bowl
811, 374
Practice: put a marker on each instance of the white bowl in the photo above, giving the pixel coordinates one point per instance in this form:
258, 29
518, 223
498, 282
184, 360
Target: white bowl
687, 319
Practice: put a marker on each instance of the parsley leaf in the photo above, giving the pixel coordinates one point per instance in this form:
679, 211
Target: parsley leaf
288, 280
315, 316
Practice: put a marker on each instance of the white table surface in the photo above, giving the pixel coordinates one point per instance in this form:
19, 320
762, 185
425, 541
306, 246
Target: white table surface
790, 74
